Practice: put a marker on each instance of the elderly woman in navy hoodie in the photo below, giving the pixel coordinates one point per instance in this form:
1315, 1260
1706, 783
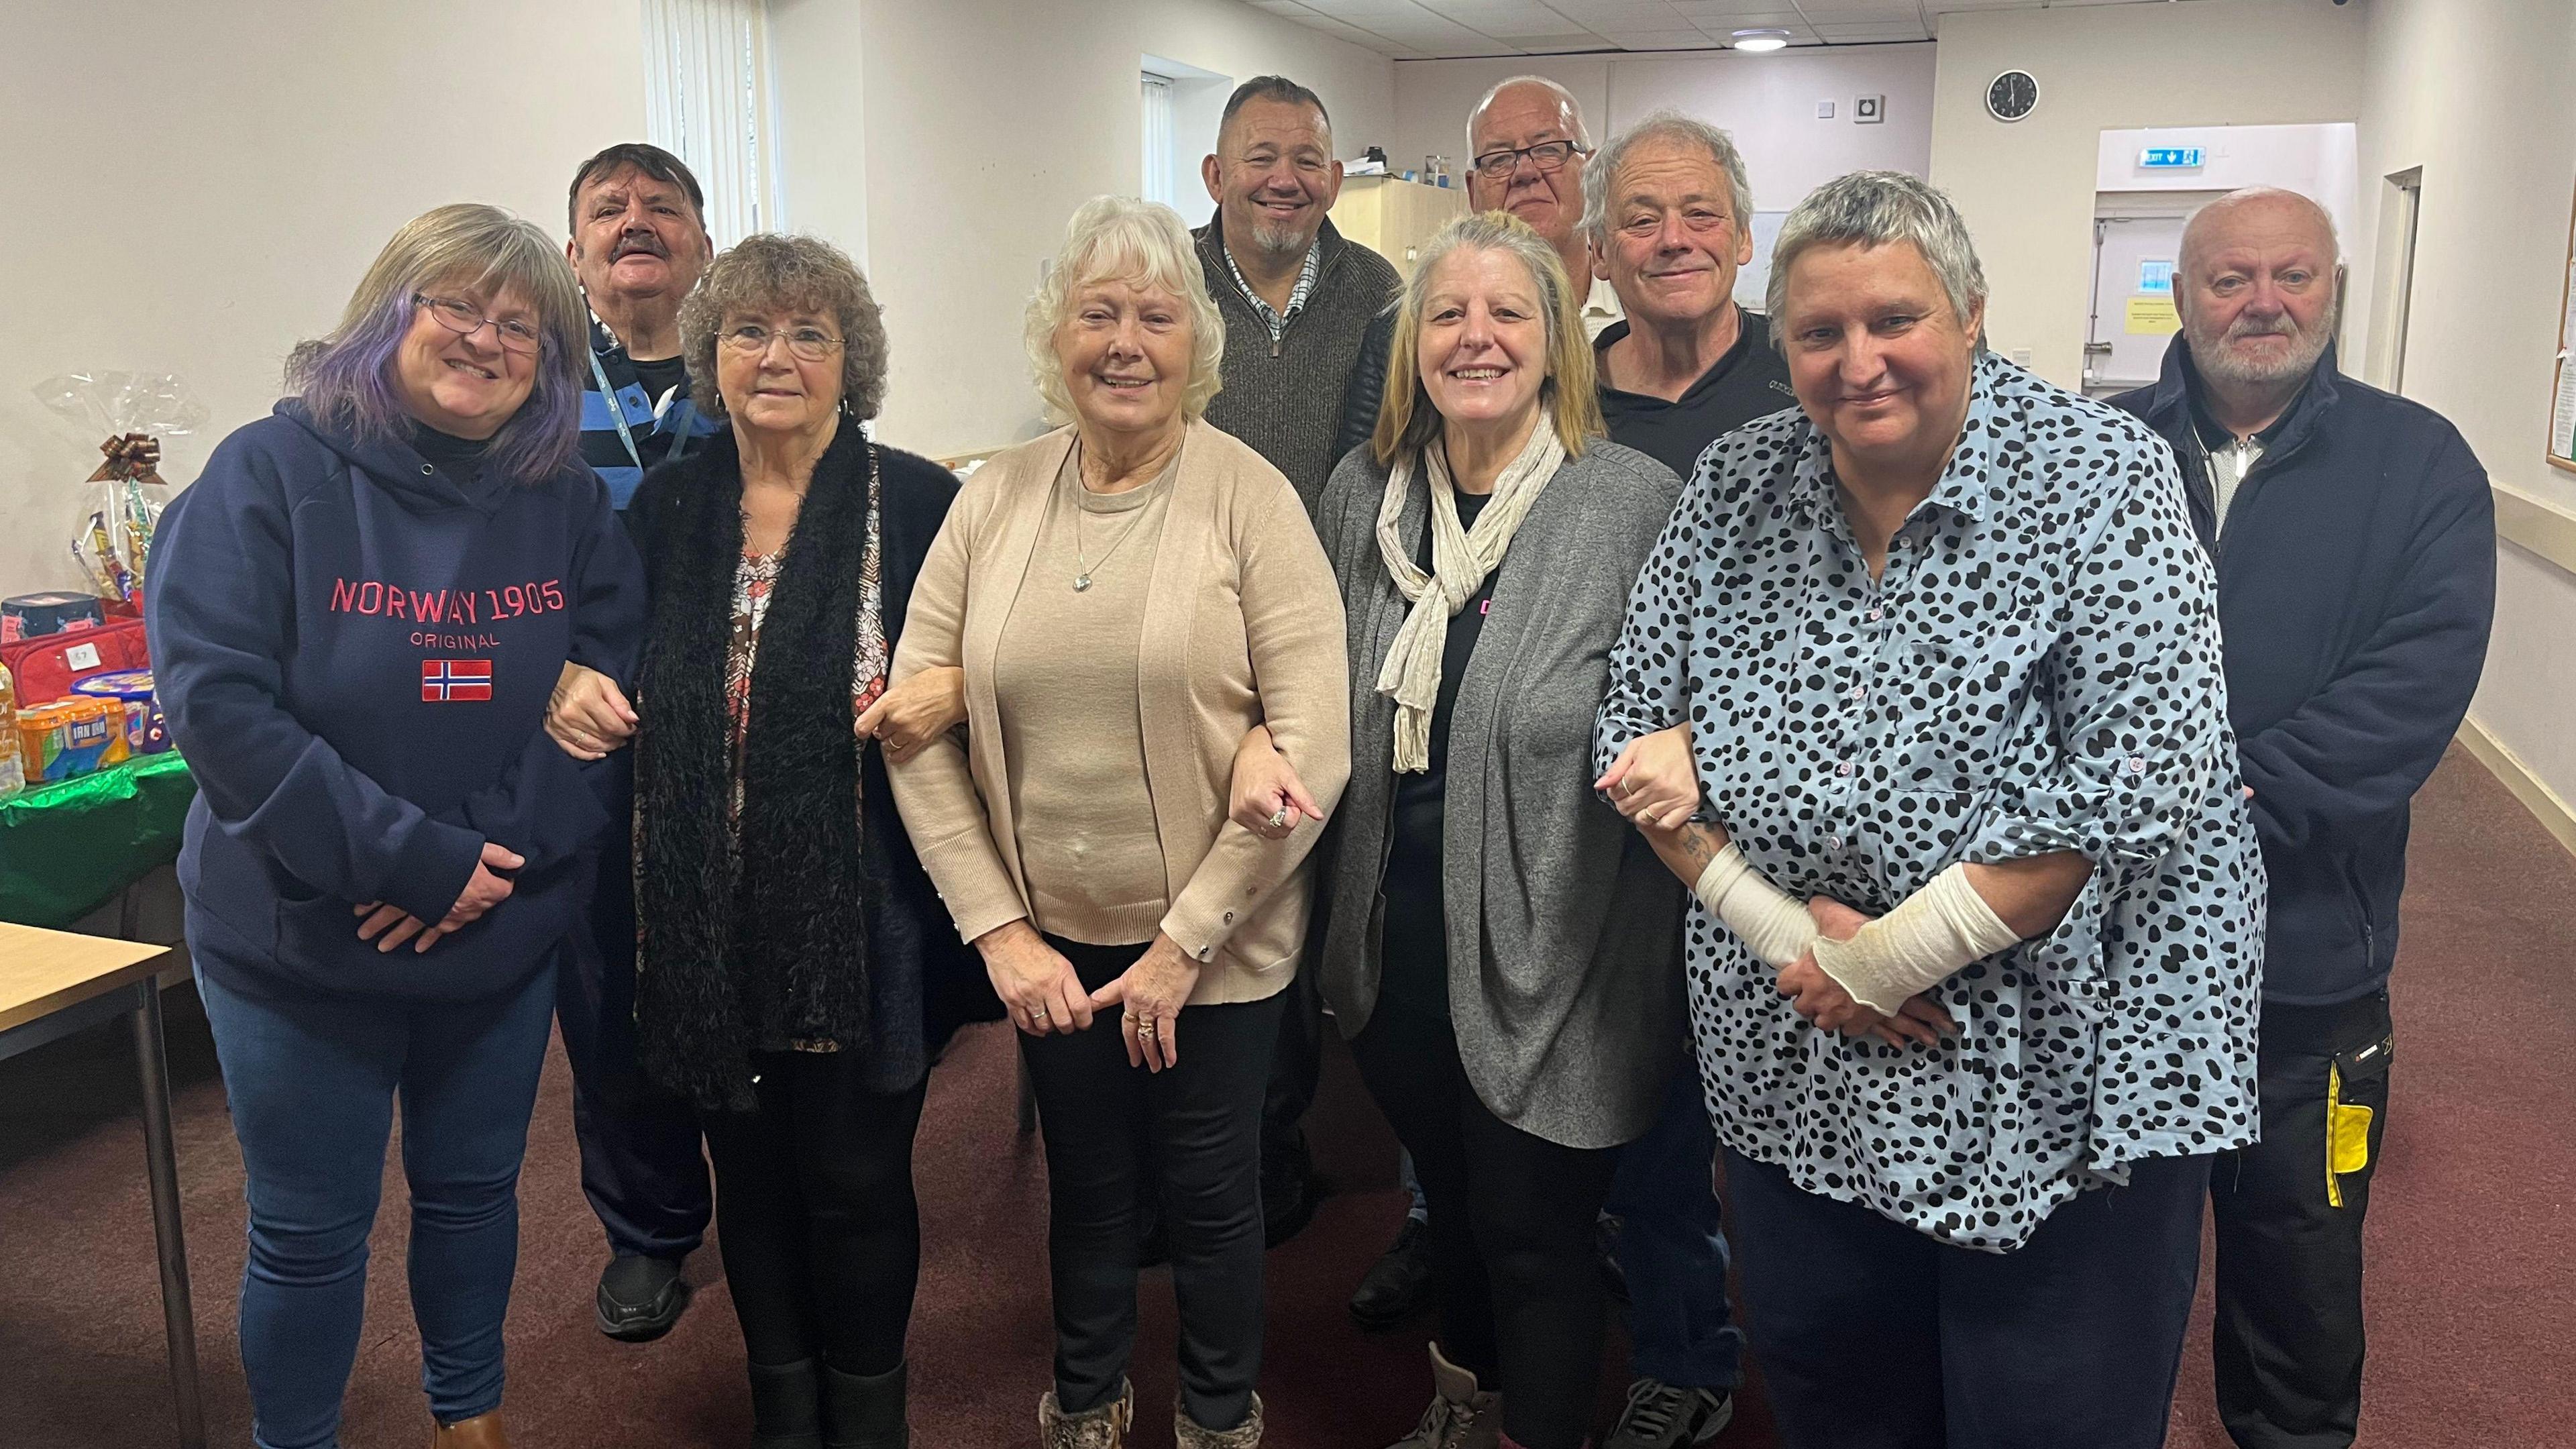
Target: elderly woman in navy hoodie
357, 614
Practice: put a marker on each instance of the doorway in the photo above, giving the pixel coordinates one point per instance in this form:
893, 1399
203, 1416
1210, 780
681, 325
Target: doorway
2135, 248
2401, 208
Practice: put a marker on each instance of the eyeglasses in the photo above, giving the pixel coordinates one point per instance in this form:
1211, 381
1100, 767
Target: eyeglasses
465, 319
809, 344
1546, 156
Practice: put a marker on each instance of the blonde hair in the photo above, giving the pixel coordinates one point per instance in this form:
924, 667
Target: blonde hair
1143, 243
1406, 420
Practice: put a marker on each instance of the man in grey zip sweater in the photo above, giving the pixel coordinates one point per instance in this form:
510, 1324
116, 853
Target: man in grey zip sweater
1307, 325
1306, 310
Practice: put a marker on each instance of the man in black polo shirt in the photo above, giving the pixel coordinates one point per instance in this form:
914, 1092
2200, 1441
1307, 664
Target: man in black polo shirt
1669, 214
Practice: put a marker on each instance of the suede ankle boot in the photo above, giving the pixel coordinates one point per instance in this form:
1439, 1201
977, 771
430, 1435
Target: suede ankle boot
1188, 1433
1101, 1428
864, 1411
483, 1431
786, 1406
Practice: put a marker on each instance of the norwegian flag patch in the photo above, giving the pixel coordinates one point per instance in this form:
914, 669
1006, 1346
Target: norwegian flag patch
442, 680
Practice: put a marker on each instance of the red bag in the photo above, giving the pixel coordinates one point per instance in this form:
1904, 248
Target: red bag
44, 667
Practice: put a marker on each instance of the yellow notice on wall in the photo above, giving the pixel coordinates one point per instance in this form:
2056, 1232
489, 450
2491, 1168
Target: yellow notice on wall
2153, 317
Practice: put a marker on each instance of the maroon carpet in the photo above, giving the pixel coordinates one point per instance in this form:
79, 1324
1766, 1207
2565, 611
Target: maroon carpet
2470, 1226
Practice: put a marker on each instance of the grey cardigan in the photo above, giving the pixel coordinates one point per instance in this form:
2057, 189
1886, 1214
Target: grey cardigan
1565, 932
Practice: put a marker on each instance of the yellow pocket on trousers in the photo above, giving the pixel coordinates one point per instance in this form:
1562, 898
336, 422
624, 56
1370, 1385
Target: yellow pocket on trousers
2347, 1136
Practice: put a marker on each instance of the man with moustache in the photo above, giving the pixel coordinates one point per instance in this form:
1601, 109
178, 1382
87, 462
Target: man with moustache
639, 241
2354, 539
1307, 326
1667, 211
1529, 146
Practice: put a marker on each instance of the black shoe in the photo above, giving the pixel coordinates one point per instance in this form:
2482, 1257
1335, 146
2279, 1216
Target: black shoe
1288, 1190
640, 1298
1393, 1286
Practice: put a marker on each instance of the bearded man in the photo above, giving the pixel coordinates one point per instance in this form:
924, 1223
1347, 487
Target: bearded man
2354, 539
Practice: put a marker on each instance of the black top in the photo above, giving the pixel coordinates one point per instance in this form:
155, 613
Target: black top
2356, 584
1415, 973
461, 459
661, 376
1750, 381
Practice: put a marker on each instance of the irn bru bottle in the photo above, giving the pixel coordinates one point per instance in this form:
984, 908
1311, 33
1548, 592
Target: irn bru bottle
13, 776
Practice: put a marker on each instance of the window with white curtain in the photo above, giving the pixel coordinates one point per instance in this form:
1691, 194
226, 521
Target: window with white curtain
708, 99
1158, 139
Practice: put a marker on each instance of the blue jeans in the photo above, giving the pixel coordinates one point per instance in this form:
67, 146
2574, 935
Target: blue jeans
1672, 1248
312, 1083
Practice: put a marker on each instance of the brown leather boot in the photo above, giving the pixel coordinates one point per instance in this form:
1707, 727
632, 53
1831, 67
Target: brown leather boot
1101, 1428
483, 1431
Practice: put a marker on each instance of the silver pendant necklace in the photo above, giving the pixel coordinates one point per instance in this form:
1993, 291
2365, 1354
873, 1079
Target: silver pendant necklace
1083, 565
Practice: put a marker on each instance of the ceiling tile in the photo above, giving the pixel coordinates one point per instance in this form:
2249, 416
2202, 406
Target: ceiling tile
1825, 12
1873, 32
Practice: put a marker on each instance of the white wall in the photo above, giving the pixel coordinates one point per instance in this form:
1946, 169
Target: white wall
986, 122
200, 186
1767, 102
2475, 92
2027, 188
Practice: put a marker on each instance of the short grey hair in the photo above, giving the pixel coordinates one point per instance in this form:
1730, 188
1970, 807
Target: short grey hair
1876, 209
1118, 238
1573, 107
1603, 171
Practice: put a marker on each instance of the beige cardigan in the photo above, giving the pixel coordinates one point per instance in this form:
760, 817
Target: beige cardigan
1243, 626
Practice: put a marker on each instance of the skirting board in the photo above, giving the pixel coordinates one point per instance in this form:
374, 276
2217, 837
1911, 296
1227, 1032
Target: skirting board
2553, 813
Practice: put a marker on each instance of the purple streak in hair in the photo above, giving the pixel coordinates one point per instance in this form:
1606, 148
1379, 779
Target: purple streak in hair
347, 382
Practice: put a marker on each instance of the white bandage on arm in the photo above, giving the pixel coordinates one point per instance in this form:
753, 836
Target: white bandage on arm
1929, 936
1767, 918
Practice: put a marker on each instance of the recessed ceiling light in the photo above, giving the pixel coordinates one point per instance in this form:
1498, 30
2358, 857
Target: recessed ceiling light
1758, 40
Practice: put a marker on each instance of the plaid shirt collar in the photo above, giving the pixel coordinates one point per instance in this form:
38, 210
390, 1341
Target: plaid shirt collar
1276, 320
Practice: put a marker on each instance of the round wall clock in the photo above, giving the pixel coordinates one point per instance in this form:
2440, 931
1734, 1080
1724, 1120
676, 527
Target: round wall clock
2010, 96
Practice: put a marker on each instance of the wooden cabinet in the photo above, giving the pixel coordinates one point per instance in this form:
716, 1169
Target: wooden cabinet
1394, 217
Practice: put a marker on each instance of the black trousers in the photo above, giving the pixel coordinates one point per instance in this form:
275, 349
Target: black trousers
1511, 1233
640, 1163
2288, 1342
1296, 1066
1873, 1336
1192, 1135
815, 1213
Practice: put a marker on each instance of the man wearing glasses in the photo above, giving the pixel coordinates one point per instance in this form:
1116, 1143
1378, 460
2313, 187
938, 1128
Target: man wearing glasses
1530, 144
639, 241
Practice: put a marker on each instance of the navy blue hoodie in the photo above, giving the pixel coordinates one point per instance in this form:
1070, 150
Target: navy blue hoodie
355, 652
2356, 581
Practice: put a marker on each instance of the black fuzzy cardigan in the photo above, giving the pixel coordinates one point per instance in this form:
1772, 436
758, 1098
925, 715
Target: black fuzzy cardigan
923, 983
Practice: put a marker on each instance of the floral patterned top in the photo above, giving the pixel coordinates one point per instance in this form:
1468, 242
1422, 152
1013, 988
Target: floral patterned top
2037, 671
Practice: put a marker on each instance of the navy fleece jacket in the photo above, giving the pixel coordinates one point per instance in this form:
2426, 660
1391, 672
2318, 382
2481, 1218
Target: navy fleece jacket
2356, 582
354, 652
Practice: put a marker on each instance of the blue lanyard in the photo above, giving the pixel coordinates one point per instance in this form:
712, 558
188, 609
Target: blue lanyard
682, 421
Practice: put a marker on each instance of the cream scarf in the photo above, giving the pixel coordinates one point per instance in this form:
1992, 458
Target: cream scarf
1460, 560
